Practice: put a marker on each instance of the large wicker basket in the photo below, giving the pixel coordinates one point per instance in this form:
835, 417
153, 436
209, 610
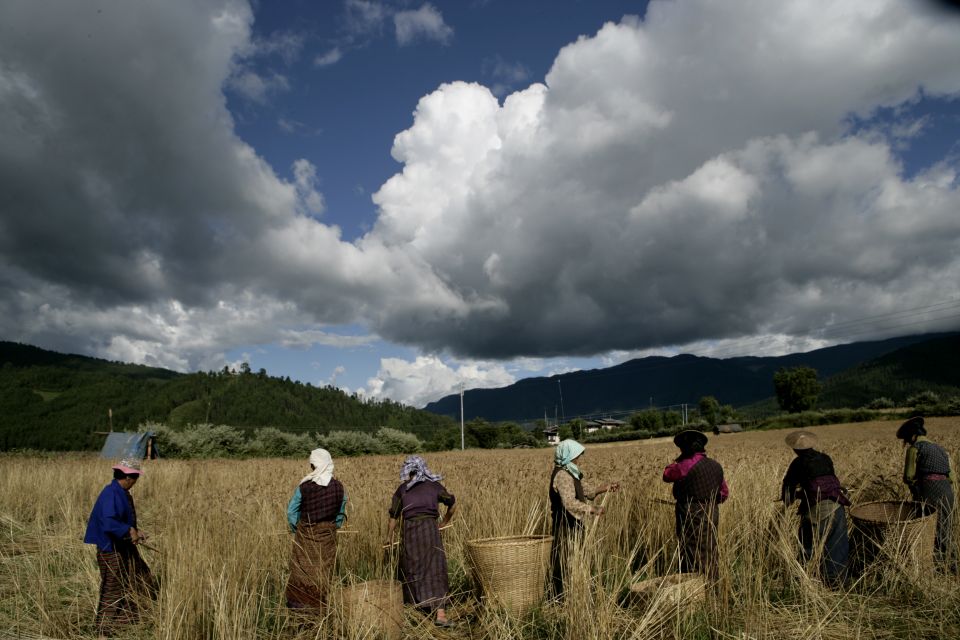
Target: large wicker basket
673, 590
373, 609
511, 571
899, 533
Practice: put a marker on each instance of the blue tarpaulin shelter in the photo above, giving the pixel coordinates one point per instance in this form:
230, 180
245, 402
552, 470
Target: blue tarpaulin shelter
125, 446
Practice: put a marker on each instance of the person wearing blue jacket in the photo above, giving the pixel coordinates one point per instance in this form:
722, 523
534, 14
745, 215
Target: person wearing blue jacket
112, 527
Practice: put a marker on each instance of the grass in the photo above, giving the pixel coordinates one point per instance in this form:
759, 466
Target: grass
48, 395
223, 546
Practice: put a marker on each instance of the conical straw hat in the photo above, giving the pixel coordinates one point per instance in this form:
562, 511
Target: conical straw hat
801, 440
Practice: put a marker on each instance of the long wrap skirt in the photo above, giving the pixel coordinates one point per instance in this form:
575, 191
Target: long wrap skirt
422, 570
696, 525
125, 579
565, 538
939, 495
311, 565
824, 527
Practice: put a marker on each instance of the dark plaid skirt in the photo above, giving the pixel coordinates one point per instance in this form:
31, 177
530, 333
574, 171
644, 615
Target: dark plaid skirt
696, 524
564, 537
311, 565
939, 495
125, 579
825, 527
423, 565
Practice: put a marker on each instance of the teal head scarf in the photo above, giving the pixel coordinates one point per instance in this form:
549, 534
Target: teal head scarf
566, 452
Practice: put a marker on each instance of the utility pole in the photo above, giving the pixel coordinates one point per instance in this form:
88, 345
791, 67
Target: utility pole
110, 418
563, 413
462, 442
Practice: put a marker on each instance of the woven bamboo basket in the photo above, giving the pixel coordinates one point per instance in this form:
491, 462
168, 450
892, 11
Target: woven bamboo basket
511, 571
900, 533
374, 609
673, 590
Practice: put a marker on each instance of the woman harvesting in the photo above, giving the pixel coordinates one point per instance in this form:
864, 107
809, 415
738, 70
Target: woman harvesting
123, 573
928, 472
698, 487
423, 562
315, 512
810, 478
568, 505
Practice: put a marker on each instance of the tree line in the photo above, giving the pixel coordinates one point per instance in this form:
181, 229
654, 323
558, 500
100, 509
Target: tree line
62, 406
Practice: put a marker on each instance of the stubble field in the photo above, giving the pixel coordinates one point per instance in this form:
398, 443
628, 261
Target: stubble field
222, 545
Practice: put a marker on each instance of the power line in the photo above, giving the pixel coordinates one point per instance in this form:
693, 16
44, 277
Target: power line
938, 306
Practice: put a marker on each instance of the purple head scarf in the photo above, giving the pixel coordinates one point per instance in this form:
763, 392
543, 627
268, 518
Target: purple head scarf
416, 466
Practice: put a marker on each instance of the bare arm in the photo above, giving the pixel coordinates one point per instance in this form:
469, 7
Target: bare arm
391, 527
448, 516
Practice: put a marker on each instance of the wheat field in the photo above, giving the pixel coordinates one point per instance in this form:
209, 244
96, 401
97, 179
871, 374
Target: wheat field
222, 545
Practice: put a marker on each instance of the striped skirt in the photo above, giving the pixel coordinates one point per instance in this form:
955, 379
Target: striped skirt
125, 579
696, 525
311, 565
939, 495
423, 565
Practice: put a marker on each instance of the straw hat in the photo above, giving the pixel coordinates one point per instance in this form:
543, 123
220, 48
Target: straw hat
799, 440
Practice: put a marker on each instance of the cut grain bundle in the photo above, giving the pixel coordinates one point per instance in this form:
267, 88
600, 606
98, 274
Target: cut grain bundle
373, 609
674, 590
511, 571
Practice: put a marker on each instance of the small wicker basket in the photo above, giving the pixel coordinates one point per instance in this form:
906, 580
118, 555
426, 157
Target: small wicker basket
511, 571
901, 533
374, 609
673, 590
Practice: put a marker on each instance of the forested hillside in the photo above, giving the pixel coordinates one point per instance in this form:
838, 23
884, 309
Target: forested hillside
56, 401
927, 366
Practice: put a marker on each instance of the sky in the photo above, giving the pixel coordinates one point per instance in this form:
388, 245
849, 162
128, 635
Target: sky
400, 197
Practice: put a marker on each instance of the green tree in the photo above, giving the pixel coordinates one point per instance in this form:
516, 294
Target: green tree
797, 388
647, 420
709, 408
576, 428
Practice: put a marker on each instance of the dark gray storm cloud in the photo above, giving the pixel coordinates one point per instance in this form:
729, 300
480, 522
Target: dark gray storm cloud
657, 189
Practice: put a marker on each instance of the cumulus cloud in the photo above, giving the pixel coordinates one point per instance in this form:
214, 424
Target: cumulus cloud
427, 378
257, 86
331, 57
666, 184
135, 222
661, 189
365, 17
425, 23
285, 44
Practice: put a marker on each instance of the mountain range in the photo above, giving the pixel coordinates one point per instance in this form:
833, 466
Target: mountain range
853, 374
58, 401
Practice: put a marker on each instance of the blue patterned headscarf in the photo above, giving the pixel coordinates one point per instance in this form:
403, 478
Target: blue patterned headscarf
566, 452
417, 466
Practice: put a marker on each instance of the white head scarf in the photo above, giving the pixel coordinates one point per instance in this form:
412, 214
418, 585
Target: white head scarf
322, 468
